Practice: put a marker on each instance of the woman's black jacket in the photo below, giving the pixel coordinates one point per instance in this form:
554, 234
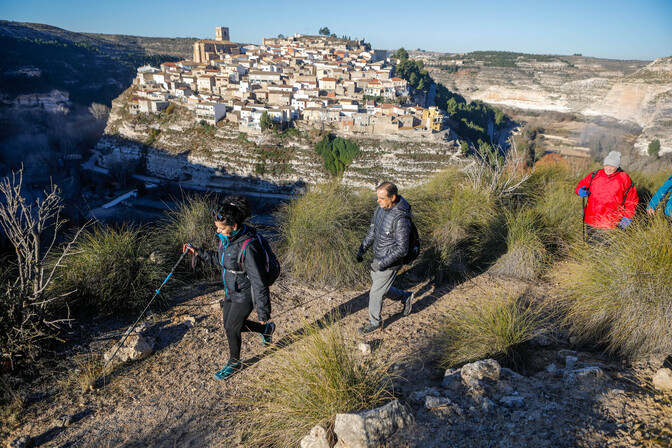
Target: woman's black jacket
239, 286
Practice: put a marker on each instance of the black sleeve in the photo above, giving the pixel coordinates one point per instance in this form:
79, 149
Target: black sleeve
209, 256
400, 243
371, 234
255, 259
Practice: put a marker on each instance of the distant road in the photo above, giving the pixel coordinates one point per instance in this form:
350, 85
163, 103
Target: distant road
431, 95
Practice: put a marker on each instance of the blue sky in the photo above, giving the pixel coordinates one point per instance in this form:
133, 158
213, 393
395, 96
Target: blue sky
619, 29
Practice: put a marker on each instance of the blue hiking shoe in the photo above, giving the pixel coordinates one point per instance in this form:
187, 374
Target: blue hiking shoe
266, 336
228, 371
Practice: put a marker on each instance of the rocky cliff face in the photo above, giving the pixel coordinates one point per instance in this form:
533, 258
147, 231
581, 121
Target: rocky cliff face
174, 146
632, 91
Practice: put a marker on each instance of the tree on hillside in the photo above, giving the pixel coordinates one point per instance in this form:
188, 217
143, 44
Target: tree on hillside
401, 54
265, 122
324, 31
654, 148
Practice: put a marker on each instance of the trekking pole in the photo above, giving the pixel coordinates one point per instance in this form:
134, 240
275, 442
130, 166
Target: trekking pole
156, 293
583, 219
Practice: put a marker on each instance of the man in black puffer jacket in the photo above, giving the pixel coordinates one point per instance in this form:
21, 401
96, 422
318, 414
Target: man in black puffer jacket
388, 233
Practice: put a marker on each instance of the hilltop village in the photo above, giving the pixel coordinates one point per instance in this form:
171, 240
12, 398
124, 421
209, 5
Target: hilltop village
310, 81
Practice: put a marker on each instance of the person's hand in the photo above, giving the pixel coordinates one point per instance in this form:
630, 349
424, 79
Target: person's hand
186, 247
651, 211
625, 222
375, 266
360, 256
583, 192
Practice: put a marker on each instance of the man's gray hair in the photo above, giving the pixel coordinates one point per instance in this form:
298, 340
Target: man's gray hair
390, 188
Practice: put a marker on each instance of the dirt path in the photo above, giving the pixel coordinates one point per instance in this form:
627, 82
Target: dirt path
171, 398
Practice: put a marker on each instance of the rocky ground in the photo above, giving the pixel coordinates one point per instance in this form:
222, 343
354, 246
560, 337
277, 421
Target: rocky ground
567, 396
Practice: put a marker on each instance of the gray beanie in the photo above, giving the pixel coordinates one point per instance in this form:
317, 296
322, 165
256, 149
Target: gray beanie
613, 159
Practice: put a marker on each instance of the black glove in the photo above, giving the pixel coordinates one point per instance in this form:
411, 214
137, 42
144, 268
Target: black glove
360, 256
375, 266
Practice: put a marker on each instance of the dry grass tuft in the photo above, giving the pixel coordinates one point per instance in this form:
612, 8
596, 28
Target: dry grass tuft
318, 376
85, 374
618, 294
457, 223
320, 234
526, 255
496, 325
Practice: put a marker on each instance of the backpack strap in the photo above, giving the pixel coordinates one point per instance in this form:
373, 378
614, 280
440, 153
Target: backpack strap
241, 254
625, 195
592, 176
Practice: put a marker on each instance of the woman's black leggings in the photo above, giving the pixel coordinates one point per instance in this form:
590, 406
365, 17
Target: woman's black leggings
234, 316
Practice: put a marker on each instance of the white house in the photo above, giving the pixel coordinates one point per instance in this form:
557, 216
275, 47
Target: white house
210, 112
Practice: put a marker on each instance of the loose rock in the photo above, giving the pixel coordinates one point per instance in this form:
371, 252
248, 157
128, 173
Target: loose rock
370, 429
420, 395
452, 379
474, 372
136, 347
512, 402
364, 348
570, 362
663, 379
189, 321
317, 438
436, 402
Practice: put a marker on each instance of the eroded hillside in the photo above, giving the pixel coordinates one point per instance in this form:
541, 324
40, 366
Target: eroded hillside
633, 91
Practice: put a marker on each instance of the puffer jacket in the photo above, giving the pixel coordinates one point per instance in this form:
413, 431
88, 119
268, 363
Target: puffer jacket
390, 246
238, 286
660, 194
611, 198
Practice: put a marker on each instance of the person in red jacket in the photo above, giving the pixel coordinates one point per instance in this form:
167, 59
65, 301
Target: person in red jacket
611, 198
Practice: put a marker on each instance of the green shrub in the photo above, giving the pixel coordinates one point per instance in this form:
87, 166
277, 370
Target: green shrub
153, 136
113, 270
526, 255
618, 294
654, 148
338, 153
495, 325
320, 375
320, 234
191, 222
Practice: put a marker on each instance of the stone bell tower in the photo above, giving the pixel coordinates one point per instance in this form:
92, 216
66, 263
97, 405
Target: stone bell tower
222, 33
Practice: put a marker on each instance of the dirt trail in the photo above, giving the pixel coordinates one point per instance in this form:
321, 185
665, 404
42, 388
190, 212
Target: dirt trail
172, 399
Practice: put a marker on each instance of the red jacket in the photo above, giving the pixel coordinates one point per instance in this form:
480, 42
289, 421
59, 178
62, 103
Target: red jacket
611, 198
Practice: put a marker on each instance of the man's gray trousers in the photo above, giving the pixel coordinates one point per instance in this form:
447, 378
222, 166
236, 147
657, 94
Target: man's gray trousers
380, 288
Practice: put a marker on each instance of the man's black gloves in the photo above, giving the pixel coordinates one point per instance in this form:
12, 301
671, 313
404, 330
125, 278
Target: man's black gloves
360, 256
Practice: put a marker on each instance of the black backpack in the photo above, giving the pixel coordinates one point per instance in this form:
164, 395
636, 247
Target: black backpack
271, 269
413, 239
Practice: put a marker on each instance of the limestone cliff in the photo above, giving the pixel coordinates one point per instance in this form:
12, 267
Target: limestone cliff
173, 146
632, 91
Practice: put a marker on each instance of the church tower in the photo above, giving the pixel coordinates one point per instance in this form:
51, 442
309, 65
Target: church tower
222, 33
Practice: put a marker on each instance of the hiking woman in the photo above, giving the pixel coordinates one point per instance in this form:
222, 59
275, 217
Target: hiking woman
657, 198
612, 198
243, 283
